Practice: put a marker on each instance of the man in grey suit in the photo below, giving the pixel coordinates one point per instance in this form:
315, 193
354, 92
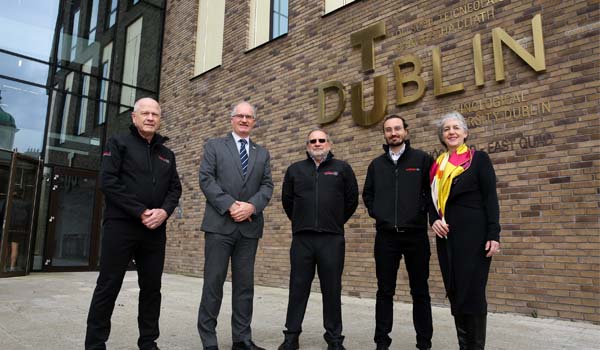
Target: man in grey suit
235, 177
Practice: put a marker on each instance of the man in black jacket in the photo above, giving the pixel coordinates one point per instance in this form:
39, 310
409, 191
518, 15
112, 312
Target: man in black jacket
141, 189
319, 195
397, 195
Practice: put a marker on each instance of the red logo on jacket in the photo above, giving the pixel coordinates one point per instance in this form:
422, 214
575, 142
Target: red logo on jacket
412, 169
164, 159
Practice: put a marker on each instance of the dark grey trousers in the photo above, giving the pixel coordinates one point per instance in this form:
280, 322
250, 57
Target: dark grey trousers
218, 249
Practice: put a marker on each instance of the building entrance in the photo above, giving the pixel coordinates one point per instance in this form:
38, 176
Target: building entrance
73, 221
19, 177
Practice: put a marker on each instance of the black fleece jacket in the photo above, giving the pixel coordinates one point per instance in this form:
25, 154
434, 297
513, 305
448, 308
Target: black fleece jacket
398, 195
319, 199
137, 175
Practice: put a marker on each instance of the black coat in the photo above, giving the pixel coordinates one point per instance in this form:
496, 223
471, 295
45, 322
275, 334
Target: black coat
398, 195
136, 175
319, 199
472, 213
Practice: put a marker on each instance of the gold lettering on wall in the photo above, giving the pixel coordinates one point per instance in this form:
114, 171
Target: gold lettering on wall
413, 77
365, 38
537, 61
438, 89
478, 61
403, 78
366, 118
338, 88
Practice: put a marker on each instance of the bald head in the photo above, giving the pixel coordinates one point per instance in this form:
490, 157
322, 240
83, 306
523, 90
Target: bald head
146, 117
145, 100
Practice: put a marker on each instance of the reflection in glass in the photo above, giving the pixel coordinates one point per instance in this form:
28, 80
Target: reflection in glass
66, 107
27, 27
26, 105
93, 22
18, 226
114, 4
73, 215
42, 220
105, 75
4, 178
132, 58
75, 34
23, 69
85, 91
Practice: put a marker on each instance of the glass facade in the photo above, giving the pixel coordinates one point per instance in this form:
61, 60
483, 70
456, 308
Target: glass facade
70, 72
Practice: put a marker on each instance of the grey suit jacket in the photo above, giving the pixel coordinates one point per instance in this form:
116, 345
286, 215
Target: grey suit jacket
222, 183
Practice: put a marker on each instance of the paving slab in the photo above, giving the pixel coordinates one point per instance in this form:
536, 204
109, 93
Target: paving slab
48, 311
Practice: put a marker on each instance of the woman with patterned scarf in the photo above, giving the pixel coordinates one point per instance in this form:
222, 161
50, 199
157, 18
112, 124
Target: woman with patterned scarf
465, 219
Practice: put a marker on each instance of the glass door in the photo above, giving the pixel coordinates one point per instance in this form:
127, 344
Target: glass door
72, 239
17, 208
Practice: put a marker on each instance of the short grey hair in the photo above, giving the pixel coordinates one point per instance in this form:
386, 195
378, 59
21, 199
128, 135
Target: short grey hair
243, 102
136, 105
318, 129
450, 115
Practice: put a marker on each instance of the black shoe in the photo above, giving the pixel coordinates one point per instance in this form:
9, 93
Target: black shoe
247, 345
335, 346
213, 347
423, 348
381, 346
153, 347
289, 344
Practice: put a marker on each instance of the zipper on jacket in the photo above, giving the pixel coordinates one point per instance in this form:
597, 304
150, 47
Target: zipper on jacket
316, 198
396, 198
149, 154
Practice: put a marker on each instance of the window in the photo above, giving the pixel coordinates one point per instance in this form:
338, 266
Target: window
105, 74
130, 68
85, 90
93, 22
268, 20
60, 55
65, 114
209, 35
331, 5
112, 12
75, 34
279, 18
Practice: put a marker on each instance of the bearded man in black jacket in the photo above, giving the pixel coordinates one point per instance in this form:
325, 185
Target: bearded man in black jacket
141, 189
397, 196
319, 195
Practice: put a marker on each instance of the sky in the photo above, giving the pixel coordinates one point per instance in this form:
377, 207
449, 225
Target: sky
27, 28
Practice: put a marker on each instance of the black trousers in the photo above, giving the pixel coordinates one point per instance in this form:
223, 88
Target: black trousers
390, 247
123, 240
326, 253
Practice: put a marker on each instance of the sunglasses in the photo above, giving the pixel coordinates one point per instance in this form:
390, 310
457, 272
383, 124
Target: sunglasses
313, 141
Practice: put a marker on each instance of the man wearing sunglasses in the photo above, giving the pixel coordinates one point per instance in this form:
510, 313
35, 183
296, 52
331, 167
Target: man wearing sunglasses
319, 195
235, 177
397, 195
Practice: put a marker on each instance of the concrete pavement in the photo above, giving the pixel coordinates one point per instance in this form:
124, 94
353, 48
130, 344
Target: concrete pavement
48, 311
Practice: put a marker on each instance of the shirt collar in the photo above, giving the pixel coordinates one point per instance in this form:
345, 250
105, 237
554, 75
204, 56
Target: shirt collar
237, 138
397, 155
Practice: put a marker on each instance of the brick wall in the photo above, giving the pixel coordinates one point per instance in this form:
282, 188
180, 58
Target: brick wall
546, 161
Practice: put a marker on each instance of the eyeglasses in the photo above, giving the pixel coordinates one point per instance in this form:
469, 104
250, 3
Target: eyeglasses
242, 116
313, 141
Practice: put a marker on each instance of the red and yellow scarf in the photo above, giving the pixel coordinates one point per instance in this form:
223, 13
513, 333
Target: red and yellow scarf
445, 169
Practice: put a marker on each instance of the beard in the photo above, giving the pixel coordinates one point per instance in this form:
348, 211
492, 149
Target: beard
319, 155
393, 143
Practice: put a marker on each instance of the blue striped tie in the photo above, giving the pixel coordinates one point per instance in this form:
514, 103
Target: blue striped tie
244, 156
